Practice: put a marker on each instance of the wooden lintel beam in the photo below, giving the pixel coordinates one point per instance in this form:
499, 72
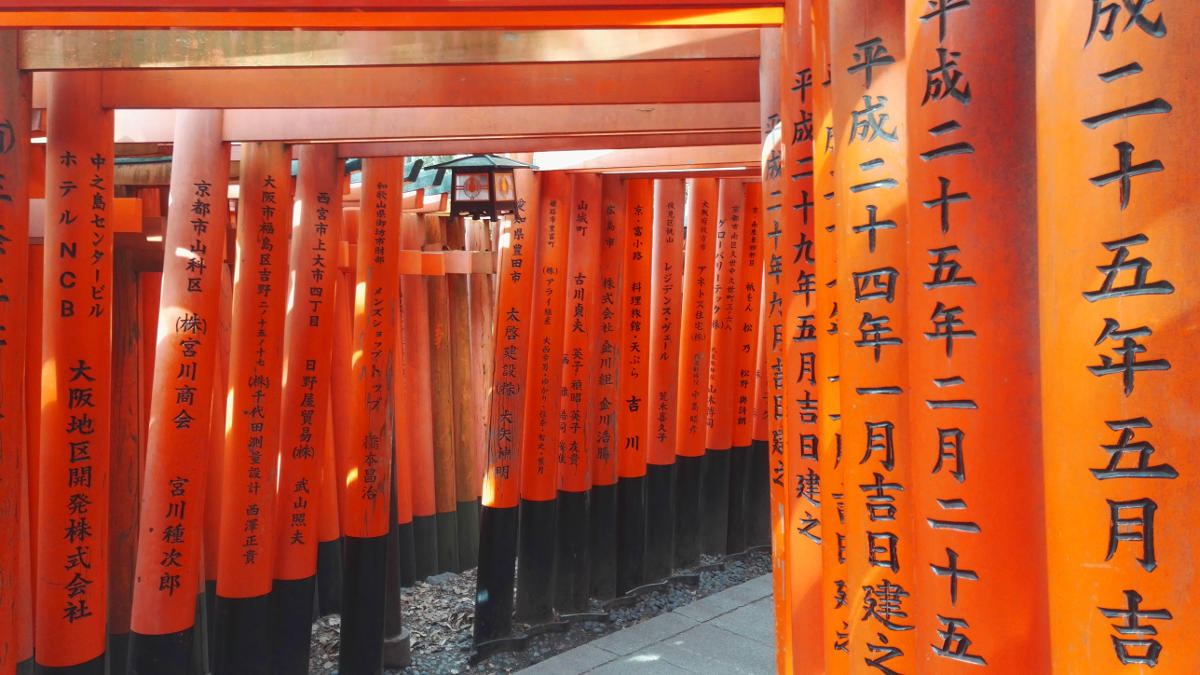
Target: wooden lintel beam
443, 19
477, 123
692, 157
691, 81
184, 48
539, 144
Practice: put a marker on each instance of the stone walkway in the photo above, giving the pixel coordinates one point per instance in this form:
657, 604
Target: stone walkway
728, 632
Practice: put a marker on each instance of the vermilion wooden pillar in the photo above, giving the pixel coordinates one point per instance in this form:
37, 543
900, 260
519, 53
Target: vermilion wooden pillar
720, 361
307, 343
483, 321
72, 510
340, 397
691, 394
771, 408
576, 498
441, 390
799, 367
215, 447
835, 609
466, 469
539, 445
406, 563
1117, 209
515, 317
868, 55
33, 434
245, 562
367, 516
662, 351
418, 398
15, 102
747, 495
329, 532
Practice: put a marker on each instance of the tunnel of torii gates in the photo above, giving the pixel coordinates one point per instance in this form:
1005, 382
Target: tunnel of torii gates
898, 288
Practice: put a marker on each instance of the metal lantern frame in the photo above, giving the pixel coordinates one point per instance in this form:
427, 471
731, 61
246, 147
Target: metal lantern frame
482, 186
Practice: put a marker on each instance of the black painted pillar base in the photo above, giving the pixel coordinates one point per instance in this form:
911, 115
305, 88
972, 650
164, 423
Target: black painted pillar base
571, 563
152, 654
758, 495
407, 553
631, 533
468, 534
687, 511
242, 639
660, 521
425, 546
739, 487
497, 562
200, 662
603, 532
364, 583
535, 561
118, 652
96, 666
209, 643
447, 541
25, 667
329, 577
396, 653
714, 501
291, 624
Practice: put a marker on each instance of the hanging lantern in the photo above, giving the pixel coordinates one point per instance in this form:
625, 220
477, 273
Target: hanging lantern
483, 185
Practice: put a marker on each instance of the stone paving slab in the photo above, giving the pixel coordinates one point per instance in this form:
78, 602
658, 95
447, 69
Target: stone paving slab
730, 632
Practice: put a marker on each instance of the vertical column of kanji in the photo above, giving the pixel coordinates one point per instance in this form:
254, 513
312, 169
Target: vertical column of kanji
835, 606
72, 513
367, 516
414, 370
1117, 213
972, 210
770, 359
441, 390
744, 491
498, 519
634, 211
245, 561
868, 56
799, 355
307, 346
540, 457
576, 498
720, 359
15, 104
691, 392
466, 471
662, 350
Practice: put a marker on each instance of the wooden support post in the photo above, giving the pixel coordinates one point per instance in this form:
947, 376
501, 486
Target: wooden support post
367, 517
835, 611
539, 459
216, 452
404, 485
515, 315
667, 315
466, 471
691, 394
417, 397
576, 496
245, 562
307, 346
33, 434
329, 531
720, 359
1117, 209
744, 492
441, 390
15, 94
483, 337
341, 396
72, 568
868, 55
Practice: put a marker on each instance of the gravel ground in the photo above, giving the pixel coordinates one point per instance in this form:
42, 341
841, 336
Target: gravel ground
440, 611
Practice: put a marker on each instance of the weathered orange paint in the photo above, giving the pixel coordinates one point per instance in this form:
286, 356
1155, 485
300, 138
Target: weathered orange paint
1116, 263
483, 339
579, 431
307, 344
635, 320
245, 562
15, 90
125, 441
696, 331
516, 319
539, 466
442, 389
667, 316
466, 469
414, 372
71, 596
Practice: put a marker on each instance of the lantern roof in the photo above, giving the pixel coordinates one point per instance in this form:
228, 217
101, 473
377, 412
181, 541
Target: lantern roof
481, 162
